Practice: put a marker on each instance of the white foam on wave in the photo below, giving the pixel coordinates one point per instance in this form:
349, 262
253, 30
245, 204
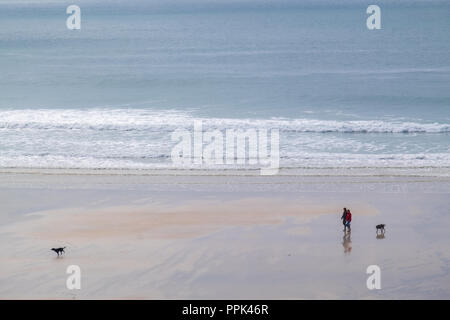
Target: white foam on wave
315, 160
151, 120
140, 139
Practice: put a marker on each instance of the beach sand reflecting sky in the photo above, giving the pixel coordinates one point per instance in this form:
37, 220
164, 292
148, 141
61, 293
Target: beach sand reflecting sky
242, 243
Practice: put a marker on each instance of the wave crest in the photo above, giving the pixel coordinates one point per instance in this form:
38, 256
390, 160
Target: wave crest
168, 120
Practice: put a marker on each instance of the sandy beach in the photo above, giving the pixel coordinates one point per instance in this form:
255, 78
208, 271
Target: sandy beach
147, 236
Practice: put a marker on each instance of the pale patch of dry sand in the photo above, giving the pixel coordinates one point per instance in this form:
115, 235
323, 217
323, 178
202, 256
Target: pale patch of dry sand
194, 218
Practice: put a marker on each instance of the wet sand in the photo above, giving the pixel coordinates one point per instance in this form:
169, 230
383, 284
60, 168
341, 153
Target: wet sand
223, 237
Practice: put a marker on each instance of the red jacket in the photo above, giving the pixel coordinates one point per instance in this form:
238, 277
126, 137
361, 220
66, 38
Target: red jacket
348, 217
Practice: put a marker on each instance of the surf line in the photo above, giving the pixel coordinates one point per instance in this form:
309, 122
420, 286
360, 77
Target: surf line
199, 310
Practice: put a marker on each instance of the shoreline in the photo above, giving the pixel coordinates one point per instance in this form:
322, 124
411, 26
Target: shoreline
306, 171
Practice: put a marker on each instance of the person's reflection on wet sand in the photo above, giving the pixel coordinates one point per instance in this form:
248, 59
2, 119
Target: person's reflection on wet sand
380, 236
347, 242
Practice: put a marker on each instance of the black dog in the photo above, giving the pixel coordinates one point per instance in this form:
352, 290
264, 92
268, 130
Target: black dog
59, 250
380, 227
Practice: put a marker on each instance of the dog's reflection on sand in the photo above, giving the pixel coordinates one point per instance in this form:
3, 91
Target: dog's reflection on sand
347, 242
380, 236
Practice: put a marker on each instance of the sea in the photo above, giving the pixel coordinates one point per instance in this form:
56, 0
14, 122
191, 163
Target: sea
110, 95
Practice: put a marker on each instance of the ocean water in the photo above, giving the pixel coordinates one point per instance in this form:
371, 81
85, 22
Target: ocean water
110, 95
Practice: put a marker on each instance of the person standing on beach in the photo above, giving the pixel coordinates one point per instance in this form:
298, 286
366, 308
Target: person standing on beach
344, 217
348, 220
